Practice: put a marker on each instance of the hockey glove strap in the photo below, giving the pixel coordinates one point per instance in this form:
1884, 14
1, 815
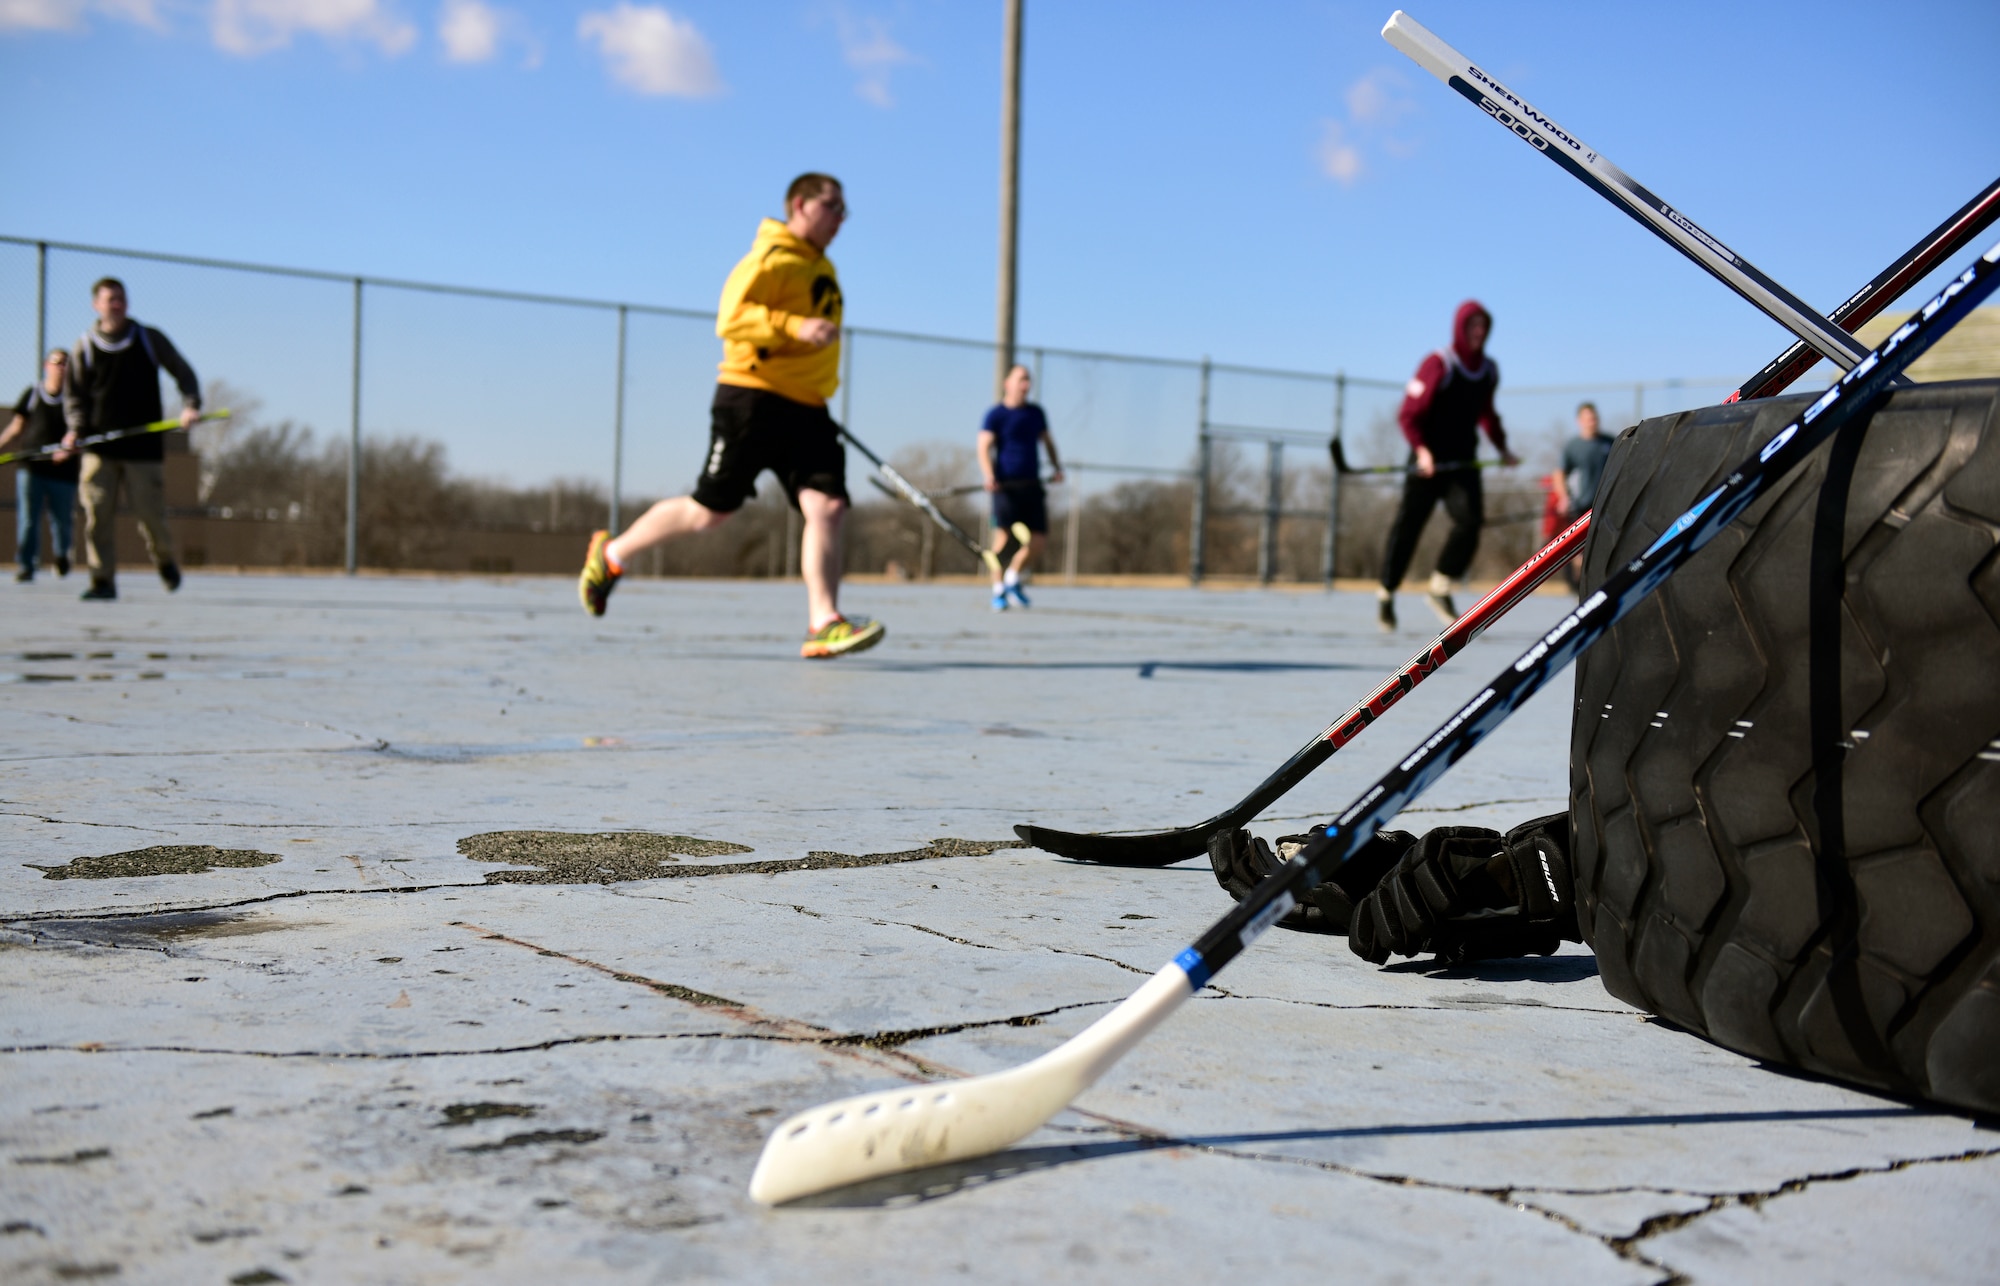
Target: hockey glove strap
1242, 861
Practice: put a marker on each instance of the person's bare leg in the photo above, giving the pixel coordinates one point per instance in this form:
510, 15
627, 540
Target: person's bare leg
681, 516
1027, 553
819, 554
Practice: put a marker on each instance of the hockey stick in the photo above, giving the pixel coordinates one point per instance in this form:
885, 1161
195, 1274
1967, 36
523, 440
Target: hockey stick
913, 1127
911, 493
1945, 240
114, 435
1164, 848
1342, 467
1618, 187
1006, 484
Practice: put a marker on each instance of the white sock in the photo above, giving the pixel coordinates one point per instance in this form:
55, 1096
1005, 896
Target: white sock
1440, 583
1385, 595
611, 552
999, 587
1013, 577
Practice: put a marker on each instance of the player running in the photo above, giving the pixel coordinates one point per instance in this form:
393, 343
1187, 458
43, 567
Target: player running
1450, 396
114, 383
780, 325
1010, 444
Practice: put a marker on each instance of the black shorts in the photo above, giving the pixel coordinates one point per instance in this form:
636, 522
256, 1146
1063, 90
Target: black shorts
751, 430
1024, 502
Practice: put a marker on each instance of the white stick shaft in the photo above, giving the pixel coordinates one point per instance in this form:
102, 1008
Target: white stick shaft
1536, 128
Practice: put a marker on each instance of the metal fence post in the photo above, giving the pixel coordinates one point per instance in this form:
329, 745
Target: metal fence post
1331, 550
354, 444
1274, 499
1075, 523
41, 303
618, 428
1198, 536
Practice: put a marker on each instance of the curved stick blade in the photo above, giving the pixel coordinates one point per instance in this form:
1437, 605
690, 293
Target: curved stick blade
916, 1126
1160, 848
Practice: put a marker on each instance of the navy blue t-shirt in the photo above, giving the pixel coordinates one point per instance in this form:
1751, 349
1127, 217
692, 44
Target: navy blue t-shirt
1018, 432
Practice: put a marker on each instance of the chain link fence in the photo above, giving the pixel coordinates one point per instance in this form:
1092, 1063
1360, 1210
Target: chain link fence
394, 424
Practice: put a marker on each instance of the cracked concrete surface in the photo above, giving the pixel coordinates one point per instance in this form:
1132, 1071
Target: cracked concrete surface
567, 913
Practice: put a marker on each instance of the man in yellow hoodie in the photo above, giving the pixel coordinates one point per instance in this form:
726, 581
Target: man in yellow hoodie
780, 327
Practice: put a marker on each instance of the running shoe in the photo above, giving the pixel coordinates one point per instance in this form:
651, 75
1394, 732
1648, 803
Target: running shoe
1440, 597
100, 591
1014, 592
999, 598
598, 580
170, 576
840, 636
1385, 613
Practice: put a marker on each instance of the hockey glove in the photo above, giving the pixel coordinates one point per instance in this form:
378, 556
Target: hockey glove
1242, 862
1468, 893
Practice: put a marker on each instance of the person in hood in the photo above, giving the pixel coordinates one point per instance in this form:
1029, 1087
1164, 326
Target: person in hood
1448, 401
779, 322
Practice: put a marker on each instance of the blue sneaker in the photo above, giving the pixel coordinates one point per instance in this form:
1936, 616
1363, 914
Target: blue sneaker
1014, 591
999, 600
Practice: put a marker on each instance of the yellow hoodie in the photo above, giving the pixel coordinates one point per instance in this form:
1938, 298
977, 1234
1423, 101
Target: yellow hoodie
770, 293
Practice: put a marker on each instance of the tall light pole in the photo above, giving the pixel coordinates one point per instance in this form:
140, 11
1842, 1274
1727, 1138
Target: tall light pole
1010, 189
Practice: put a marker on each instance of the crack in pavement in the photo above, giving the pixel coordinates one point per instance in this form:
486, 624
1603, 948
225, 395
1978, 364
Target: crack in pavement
57, 821
1516, 1197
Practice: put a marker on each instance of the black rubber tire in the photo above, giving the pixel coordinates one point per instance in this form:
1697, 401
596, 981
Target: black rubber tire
1699, 878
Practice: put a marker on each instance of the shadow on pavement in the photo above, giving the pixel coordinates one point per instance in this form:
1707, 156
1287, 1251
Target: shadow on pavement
920, 1186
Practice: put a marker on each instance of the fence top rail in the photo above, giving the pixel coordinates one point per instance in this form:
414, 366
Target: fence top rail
1251, 433
1084, 466
665, 310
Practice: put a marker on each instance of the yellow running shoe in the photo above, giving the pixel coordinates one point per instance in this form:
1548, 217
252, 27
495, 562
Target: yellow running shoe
840, 635
598, 580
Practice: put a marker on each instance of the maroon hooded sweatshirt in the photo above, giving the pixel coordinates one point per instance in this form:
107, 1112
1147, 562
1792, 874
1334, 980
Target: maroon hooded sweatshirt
1452, 395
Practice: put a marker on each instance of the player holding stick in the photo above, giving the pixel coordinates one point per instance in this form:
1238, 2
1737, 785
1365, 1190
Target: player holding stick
113, 382
779, 321
1450, 396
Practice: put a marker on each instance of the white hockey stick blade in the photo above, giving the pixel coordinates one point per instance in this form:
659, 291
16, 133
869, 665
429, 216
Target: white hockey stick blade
1552, 140
917, 1126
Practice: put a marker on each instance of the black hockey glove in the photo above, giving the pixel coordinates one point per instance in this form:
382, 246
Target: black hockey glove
1468, 893
1242, 861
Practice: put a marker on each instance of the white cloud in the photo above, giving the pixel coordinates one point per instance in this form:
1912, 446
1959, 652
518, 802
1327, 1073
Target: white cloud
1339, 159
1375, 104
652, 52
868, 48
251, 27
68, 15
470, 31
1379, 98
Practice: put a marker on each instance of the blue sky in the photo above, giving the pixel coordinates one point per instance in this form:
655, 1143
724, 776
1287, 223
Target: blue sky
1266, 183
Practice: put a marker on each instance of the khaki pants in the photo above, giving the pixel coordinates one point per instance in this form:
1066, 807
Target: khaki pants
143, 491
